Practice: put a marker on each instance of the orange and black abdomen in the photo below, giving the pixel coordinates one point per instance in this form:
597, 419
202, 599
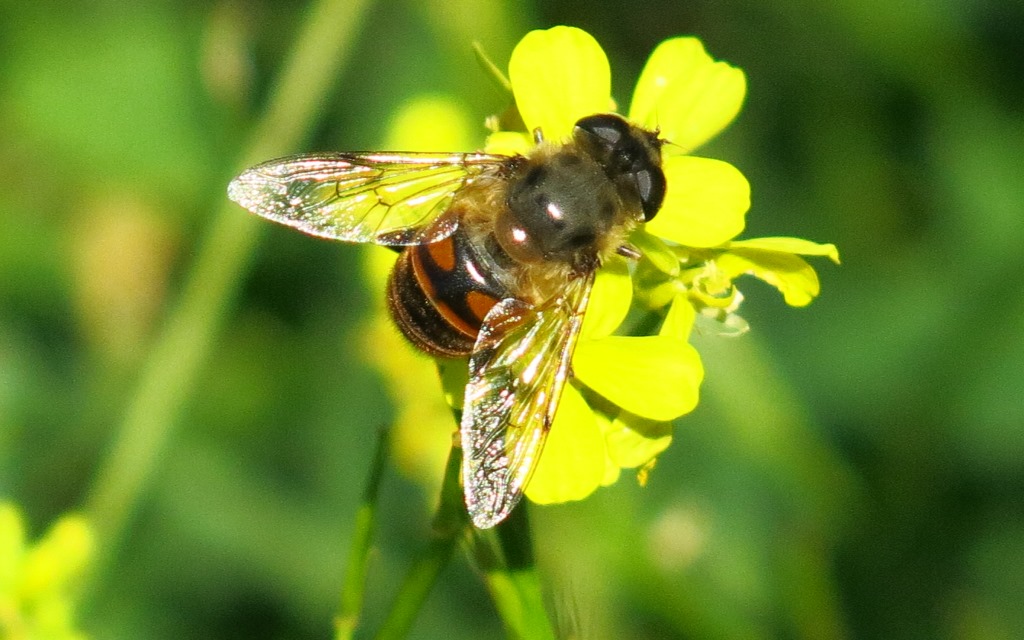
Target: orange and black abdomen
439, 293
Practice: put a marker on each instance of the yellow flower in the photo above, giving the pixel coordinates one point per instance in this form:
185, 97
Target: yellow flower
627, 389
36, 582
636, 385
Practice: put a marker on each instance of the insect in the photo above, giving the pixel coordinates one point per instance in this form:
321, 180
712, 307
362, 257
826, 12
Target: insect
498, 257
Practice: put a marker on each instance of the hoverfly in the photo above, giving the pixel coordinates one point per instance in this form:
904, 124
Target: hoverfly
498, 257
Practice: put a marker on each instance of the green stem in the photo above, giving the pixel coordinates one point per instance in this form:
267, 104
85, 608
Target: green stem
354, 585
449, 524
415, 589
520, 603
493, 71
168, 375
505, 556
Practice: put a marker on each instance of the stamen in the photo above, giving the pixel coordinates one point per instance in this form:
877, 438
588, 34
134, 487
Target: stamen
628, 251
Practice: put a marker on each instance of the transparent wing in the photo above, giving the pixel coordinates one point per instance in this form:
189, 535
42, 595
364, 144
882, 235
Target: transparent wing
517, 371
383, 198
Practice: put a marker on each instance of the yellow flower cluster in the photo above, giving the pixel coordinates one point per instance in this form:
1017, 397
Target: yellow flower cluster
690, 255
628, 389
37, 581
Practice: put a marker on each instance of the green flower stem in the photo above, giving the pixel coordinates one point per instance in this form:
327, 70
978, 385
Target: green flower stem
493, 71
359, 553
416, 588
168, 375
450, 523
517, 595
505, 555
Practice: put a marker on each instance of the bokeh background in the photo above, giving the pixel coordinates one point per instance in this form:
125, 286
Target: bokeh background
855, 469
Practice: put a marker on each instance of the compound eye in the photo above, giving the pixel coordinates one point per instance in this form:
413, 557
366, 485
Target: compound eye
650, 184
518, 243
606, 129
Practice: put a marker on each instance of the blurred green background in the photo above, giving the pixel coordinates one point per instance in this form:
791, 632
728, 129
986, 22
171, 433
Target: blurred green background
855, 469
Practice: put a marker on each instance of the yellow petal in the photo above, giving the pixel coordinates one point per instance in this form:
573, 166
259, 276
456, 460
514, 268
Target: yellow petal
58, 558
558, 76
681, 316
423, 428
421, 434
12, 545
657, 377
609, 299
432, 123
378, 263
656, 251
791, 245
572, 463
686, 94
509, 143
612, 470
706, 202
654, 288
633, 441
790, 274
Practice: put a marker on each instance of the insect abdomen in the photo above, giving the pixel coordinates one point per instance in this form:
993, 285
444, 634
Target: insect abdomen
439, 294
